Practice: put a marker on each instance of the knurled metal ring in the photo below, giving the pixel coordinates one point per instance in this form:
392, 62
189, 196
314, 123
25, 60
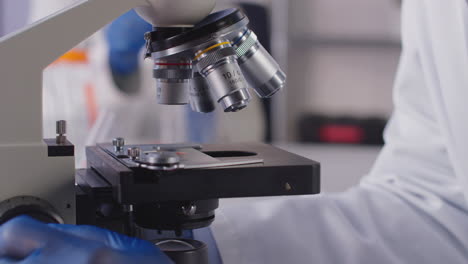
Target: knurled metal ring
247, 45
29, 205
182, 74
213, 57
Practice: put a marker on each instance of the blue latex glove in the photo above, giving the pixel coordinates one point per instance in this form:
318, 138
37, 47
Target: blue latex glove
125, 37
26, 241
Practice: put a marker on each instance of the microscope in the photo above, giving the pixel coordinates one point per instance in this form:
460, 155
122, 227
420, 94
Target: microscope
202, 59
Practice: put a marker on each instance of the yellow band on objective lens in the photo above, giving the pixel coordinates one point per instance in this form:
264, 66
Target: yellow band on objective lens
210, 48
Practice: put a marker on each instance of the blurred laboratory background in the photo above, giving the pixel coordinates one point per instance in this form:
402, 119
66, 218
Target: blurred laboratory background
340, 57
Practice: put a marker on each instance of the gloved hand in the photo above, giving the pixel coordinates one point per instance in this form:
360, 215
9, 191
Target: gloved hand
125, 37
27, 241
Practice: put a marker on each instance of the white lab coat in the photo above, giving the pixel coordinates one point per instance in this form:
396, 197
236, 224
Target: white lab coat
412, 207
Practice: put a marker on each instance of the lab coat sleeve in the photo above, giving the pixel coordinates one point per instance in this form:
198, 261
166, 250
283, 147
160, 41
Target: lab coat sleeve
409, 209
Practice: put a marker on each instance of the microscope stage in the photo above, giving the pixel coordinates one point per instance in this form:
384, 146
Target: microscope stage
203, 173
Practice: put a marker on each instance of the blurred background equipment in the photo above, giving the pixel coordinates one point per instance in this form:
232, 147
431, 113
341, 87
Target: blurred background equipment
343, 58
342, 130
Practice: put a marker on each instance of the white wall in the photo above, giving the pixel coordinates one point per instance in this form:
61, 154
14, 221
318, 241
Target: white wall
342, 167
13, 15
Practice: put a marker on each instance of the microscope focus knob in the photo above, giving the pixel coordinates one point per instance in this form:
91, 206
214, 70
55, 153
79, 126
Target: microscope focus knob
118, 144
163, 158
134, 153
160, 160
34, 207
184, 251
